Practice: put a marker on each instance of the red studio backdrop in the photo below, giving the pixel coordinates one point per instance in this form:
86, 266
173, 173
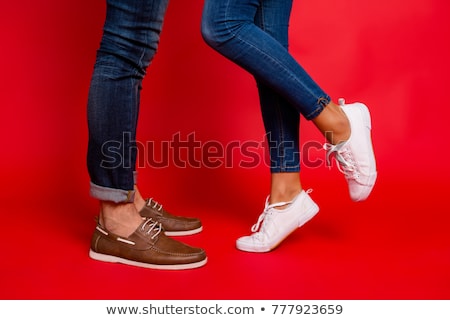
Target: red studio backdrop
392, 55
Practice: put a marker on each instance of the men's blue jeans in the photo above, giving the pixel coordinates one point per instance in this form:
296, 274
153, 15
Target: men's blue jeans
254, 35
129, 42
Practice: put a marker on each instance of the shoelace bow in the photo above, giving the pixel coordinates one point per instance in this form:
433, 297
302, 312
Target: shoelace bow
152, 225
344, 159
155, 204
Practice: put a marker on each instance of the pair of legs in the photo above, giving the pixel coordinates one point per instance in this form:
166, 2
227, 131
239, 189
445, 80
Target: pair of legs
131, 229
254, 34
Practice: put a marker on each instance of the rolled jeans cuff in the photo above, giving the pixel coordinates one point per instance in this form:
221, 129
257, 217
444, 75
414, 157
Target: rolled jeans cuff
110, 194
321, 103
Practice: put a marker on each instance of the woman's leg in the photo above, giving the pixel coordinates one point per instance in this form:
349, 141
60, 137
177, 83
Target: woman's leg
281, 119
287, 206
228, 27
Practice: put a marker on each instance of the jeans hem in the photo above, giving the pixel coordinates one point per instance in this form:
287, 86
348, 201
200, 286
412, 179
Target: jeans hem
111, 194
322, 102
284, 169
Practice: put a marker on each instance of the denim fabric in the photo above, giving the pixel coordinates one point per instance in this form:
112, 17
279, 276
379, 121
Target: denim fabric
129, 42
254, 35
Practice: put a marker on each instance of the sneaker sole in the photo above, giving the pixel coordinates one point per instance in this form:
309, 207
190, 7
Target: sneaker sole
308, 216
183, 233
113, 259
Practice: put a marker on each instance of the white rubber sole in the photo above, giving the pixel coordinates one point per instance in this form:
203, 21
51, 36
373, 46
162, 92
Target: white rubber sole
113, 259
183, 233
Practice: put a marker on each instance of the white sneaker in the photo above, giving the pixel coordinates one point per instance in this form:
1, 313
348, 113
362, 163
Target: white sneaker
277, 224
355, 157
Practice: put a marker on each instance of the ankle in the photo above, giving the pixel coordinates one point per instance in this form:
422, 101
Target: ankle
341, 133
340, 128
333, 123
119, 218
139, 201
284, 186
279, 196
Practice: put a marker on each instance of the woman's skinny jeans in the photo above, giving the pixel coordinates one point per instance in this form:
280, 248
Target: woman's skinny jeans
254, 35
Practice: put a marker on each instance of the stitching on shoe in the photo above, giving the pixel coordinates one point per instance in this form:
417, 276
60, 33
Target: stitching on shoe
96, 243
102, 231
125, 241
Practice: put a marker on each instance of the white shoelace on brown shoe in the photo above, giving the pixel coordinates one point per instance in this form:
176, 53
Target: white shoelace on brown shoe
152, 225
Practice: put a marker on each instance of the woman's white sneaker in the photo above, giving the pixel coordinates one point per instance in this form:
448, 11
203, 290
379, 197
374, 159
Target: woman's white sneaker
355, 157
274, 225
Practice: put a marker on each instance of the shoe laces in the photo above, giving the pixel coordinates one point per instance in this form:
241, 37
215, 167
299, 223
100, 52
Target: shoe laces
266, 215
344, 159
150, 225
153, 204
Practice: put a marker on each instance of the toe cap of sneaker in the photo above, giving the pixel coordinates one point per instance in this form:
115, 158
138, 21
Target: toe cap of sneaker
249, 244
361, 191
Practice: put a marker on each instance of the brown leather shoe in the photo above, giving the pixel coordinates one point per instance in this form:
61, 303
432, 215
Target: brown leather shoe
147, 247
173, 225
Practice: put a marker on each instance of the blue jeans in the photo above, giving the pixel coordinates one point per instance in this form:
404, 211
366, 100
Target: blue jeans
129, 42
254, 35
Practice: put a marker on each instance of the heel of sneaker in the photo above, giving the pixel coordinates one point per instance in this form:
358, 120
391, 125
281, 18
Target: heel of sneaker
309, 214
311, 209
364, 111
365, 114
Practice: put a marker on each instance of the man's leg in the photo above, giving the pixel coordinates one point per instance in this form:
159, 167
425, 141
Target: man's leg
129, 42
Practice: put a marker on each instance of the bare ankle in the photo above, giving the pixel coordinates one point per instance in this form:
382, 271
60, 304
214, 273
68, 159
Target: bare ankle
119, 218
284, 186
333, 123
139, 201
285, 196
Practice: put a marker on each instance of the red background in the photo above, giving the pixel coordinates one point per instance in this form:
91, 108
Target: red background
392, 55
